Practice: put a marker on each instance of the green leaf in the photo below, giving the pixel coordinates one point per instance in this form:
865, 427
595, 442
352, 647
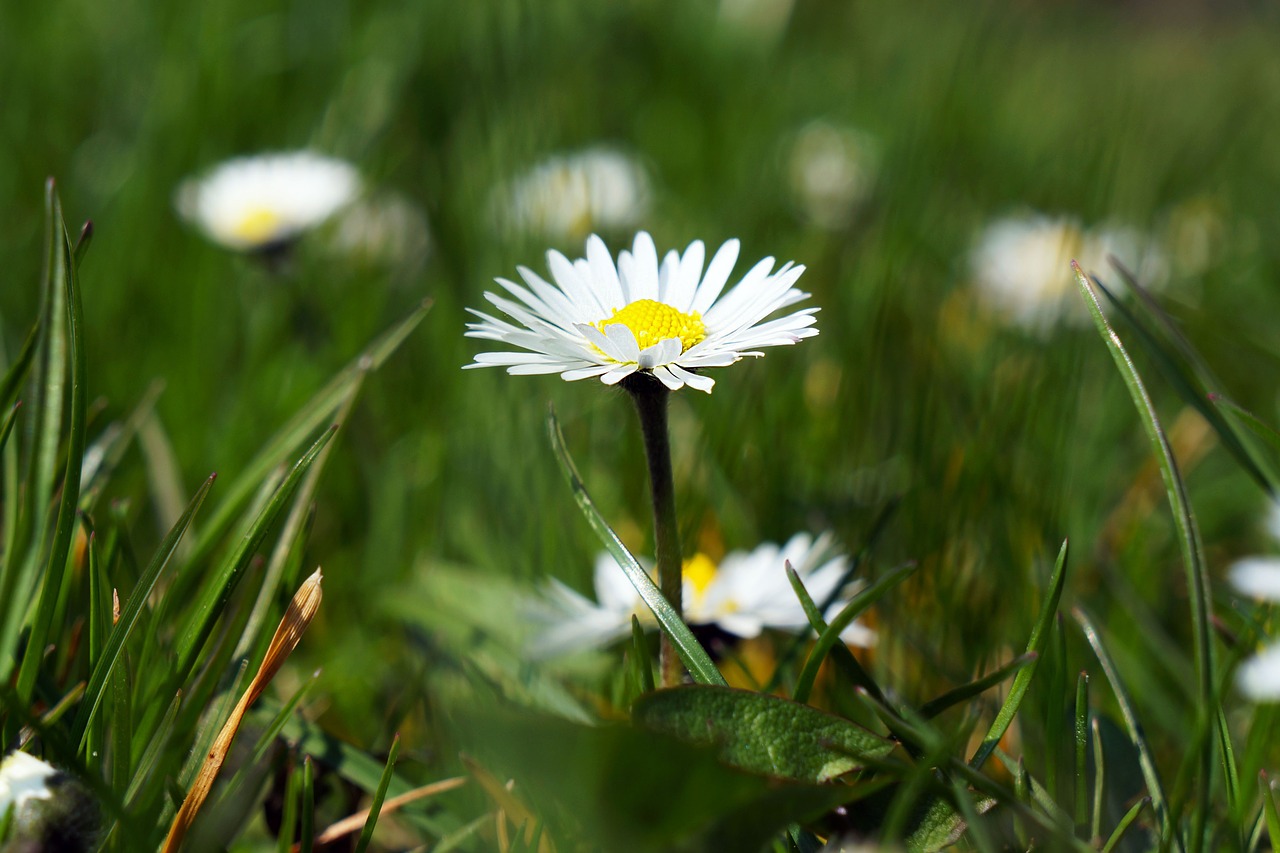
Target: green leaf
760, 733
695, 657
831, 636
1022, 681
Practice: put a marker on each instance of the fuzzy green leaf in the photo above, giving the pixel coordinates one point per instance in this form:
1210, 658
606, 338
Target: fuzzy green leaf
761, 733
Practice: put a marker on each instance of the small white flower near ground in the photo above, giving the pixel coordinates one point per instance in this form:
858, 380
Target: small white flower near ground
744, 594
670, 319
23, 777
569, 196
264, 201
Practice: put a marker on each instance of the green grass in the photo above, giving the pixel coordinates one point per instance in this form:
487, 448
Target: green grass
440, 501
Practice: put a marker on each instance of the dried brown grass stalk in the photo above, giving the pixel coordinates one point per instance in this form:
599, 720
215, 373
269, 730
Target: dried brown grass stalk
303, 607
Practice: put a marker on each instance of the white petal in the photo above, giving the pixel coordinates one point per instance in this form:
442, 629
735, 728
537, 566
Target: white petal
1257, 576
1259, 677
666, 378
693, 380
717, 276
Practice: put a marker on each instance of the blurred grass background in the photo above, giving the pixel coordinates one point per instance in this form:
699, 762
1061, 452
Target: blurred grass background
999, 442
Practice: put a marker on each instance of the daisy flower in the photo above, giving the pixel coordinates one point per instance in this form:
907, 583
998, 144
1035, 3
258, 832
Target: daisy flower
261, 202
51, 811
571, 195
1259, 576
670, 319
746, 593
1021, 266
832, 171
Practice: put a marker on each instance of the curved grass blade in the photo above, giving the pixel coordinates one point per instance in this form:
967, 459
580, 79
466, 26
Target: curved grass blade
1189, 540
1256, 425
831, 636
1190, 388
844, 659
1125, 822
56, 564
375, 808
976, 687
1022, 681
317, 412
691, 652
1155, 788
213, 597
123, 629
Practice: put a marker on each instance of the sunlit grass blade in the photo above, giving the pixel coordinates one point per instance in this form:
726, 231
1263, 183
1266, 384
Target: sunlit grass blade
56, 563
1189, 387
213, 597
691, 652
1188, 538
1155, 788
1230, 773
317, 412
123, 629
831, 636
1099, 781
1022, 681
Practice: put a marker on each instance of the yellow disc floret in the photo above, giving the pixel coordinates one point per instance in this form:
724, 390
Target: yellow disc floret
652, 322
258, 225
700, 571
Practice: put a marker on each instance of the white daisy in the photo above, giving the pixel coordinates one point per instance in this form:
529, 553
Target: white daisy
1021, 266
670, 319
23, 777
571, 195
832, 170
262, 201
743, 595
1258, 576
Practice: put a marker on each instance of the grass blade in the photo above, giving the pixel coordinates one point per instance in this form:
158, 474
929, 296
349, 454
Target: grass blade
831, 636
1146, 761
1022, 681
691, 652
375, 808
976, 687
844, 659
129, 617
1188, 537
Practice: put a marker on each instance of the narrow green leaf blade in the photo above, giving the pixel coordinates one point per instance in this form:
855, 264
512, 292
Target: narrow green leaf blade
695, 657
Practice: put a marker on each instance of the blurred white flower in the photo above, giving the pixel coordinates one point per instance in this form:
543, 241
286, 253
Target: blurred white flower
263, 201
23, 777
743, 595
383, 229
831, 170
1021, 266
607, 321
764, 19
1259, 677
572, 195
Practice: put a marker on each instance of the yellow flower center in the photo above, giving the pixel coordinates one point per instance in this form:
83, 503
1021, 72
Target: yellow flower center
258, 225
700, 571
652, 321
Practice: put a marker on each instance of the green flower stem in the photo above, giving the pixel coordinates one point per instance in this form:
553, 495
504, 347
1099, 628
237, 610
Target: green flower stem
650, 397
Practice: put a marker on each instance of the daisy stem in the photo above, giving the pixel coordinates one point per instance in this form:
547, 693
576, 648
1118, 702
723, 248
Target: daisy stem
650, 397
